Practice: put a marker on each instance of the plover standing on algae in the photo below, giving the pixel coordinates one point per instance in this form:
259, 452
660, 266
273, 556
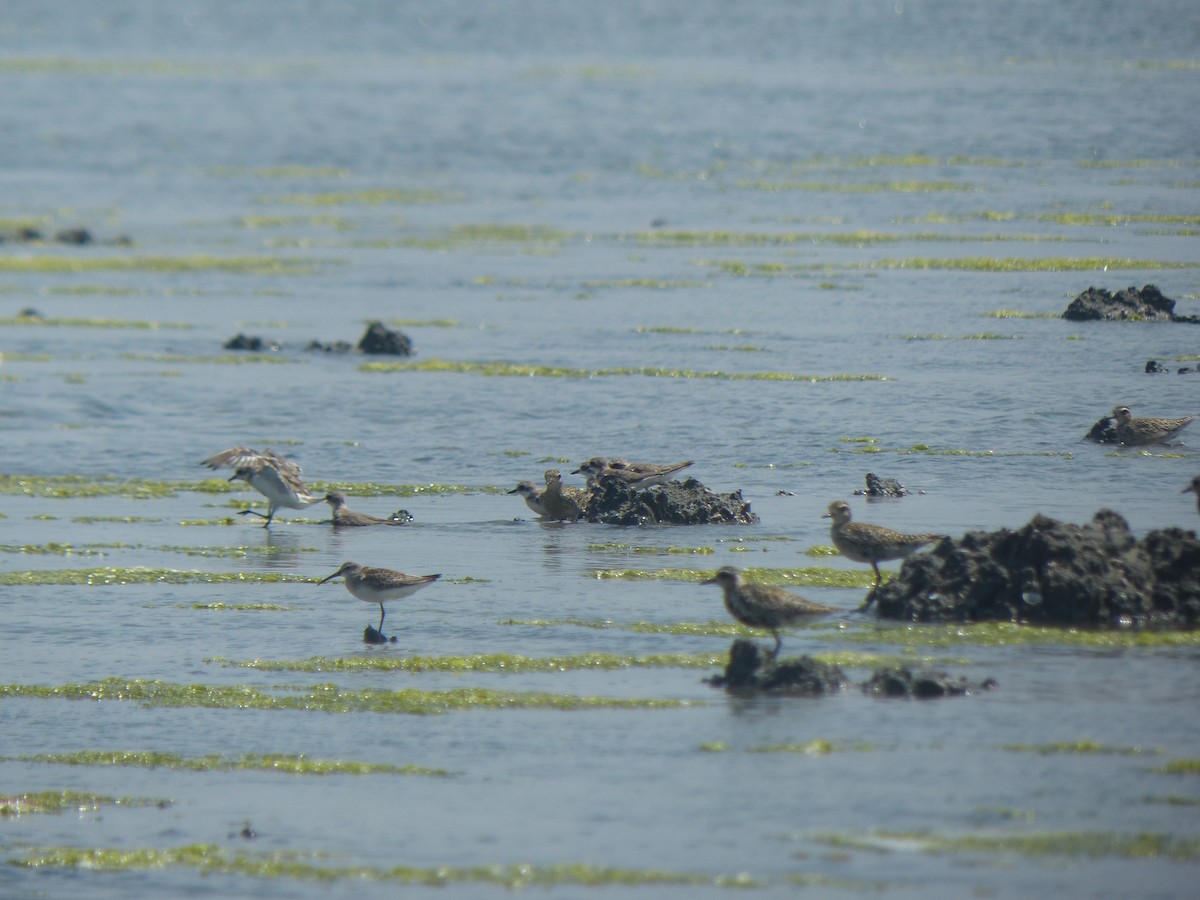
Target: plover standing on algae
532, 494
374, 585
1135, 431
631, 474
343, 515
561, 502
871, 543
1194, 488
764, 606
274, 477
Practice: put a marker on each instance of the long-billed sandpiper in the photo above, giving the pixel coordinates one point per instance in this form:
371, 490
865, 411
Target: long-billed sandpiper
375, 585
763, 606
561, 502
1194, 488
871, 543
1133, 431
532, 494
343, 515
274, 477
631, 474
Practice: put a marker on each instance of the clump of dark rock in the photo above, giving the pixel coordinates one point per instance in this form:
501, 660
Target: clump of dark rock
1053, 573
1130, 305
79, 236
901, 681
372, 635
882, 487
1104, 431
381, 340
675, 503
27, 234
401, 517
250, 342
30, 313
1153, 367
750, 668
333, 347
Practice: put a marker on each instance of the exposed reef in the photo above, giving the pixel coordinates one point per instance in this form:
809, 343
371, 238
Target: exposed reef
1130, 305
675, 503
882, 487
1052, 573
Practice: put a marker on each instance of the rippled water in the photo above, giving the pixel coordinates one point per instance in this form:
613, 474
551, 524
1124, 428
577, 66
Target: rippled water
643, 203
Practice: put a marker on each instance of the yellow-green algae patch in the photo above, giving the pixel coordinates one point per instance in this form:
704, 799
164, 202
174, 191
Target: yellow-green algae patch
211, 859
1089, 844
321, 698
54, 548
493, 662
983, 336
536, 371
812, 576
367, 197
1003, 634
241, 265
817, 747
231, 359
142, 575
1180, 767
617, 546
851, 187
91, 323
291, 764
82, 486
64, 801
1030, 264
1082, 747
1019, 314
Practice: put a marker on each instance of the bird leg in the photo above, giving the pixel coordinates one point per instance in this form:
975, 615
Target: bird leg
878, 577
778, 644
382, 613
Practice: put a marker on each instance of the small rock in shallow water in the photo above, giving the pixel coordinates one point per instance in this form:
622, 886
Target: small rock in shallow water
900, 681
674, 503
882, 487
381, 340
750, 668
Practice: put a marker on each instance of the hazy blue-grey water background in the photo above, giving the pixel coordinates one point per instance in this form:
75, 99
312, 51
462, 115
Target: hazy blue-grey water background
215, 129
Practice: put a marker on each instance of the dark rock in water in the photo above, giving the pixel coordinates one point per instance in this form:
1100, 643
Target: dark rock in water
1104, 431
900, 681
750, 668
674, 503
250, 342
1145, 305
335, 347
372, 635
1153, 367
30, 313
78, 236
401, 517
882, 487
1053, 573
381, 340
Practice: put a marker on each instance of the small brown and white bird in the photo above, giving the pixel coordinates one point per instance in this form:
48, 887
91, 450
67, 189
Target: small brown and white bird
1136, 431
599, 469
532, 494
1194, 488
561, 502
871, 543
274, 477
764, 606
344, 516
374, 585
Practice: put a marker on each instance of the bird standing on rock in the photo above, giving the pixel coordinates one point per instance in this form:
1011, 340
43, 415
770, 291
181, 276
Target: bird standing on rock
764, 606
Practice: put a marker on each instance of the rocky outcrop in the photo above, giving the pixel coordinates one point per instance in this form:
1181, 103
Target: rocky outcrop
882, 487
901, 681
251, 342
752, 669
1053, 573
1103, 432
674, 503
381, 340
1130, 305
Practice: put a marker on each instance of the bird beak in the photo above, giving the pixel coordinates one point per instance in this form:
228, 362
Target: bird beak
233, 477
514, 491
712, 580
827, 516
331, 577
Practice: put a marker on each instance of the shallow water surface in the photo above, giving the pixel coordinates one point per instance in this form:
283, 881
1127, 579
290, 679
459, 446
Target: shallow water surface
793, 244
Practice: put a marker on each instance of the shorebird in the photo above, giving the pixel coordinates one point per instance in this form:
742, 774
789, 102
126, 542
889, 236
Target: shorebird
871, 543
763, 606
1194, 488
343, 515
559, 501
630, 474
375, 585
1133, 431
532, 494
274, 477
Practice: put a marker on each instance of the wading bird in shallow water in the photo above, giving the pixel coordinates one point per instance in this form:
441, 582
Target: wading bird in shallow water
763, 606
561, 502
599, 469
871, 543
374, 585
1194, 488
343, 515
532, 494
1134, 431
274, 477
